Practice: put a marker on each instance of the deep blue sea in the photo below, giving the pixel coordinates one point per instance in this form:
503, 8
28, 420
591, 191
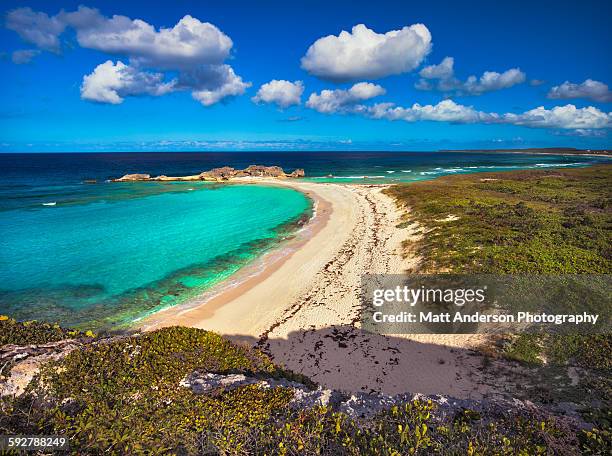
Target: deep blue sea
102, 254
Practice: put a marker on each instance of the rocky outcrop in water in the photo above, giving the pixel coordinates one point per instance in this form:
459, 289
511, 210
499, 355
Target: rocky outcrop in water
224, 173
297, 173
133, 177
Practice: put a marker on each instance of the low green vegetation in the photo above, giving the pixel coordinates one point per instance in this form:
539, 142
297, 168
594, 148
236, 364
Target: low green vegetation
532, 221
123, 395
34, 332
554, 221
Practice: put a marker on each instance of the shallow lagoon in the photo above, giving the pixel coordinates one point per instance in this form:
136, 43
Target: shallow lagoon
114, 256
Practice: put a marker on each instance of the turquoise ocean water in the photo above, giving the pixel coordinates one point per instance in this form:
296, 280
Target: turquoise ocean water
103, 262
104, 254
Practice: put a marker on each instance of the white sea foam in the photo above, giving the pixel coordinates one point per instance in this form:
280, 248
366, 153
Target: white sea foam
49, 204
350, 177
557, 165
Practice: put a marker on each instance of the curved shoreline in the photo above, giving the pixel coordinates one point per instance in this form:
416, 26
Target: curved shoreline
194, 311
303, 307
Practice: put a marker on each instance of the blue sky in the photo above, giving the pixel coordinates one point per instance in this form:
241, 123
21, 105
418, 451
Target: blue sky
83, 80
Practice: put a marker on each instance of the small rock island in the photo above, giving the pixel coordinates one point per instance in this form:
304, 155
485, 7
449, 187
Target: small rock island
224, 173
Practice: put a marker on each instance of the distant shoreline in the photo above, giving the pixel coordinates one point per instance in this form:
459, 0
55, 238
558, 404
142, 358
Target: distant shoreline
544, 151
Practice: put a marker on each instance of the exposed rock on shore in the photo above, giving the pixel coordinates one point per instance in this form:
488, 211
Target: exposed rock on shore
133, 177
364, 405
22, 363
220, 174
192, 389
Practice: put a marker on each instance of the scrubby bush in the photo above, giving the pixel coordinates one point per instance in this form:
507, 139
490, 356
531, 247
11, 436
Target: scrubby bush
123, 395
544, 222
34, 332
530, 221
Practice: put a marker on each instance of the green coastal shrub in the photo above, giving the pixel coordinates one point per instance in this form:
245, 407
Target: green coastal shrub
34, 332
122, 395
544, 222
530, 221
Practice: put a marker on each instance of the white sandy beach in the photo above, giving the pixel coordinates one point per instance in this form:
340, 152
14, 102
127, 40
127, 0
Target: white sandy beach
302, 306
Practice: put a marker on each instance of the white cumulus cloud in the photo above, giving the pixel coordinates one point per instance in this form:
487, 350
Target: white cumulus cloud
365, 54
339, 100
190, 42
559, 117
225, 83
444, 74
594, 90
192, 51
110, 83
351, 101
564, 117
444, 111
443, 70
492, 80
282, 93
